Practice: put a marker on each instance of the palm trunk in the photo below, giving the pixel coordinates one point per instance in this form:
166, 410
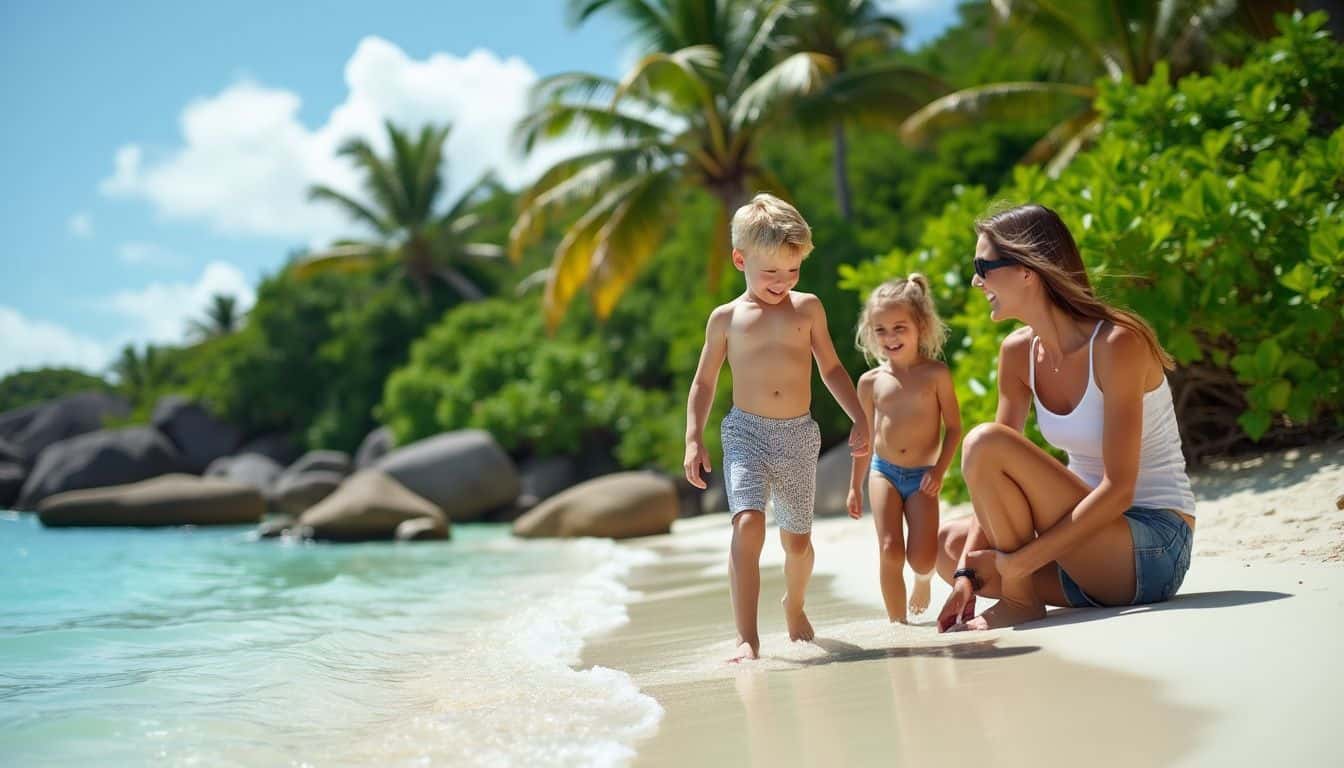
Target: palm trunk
841, 159
732, 195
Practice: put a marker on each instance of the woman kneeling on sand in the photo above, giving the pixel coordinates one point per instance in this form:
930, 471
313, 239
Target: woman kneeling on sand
1115, 526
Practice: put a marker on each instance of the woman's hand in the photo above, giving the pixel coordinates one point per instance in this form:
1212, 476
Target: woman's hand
992, 566
960, 605
854, 503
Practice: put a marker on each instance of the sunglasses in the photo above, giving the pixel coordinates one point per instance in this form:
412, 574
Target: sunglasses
985, 266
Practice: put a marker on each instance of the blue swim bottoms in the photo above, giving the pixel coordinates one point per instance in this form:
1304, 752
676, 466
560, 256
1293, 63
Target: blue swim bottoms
1162, 543
905, 479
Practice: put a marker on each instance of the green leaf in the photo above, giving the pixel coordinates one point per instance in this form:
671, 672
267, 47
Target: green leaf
1254, 423
1267, 357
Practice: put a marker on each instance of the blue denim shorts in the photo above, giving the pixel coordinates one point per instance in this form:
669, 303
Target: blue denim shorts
1161, 557
905, 479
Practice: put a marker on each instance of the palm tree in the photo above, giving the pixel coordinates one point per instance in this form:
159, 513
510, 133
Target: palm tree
138, 373
221, 319
689, 115
1112, 39
403, 191
854, 35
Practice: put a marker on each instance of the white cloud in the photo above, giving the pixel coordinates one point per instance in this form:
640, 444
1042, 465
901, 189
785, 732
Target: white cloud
248, 161
159, 312
27, 343
80, 225
137, 253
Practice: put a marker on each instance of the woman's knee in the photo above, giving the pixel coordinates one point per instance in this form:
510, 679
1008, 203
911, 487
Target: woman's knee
978, 448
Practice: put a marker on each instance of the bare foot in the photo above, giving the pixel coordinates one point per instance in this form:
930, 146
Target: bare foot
919, 599
745, 651
799, 627
1004, 613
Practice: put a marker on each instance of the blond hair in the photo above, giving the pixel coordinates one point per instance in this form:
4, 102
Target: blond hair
767, 225
1037, 237
911, 292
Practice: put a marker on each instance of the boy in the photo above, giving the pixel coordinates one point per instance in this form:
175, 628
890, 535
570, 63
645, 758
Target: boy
769, 336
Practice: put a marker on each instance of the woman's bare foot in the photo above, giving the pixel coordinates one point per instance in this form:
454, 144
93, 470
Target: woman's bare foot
1004, 613
799, 627
745, 651
919, 598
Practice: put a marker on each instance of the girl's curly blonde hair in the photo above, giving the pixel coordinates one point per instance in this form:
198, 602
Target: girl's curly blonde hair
912, 292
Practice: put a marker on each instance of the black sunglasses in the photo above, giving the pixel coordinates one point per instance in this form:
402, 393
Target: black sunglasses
985, 266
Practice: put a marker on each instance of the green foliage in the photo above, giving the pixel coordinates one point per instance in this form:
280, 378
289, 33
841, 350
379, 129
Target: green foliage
1212, 208
40, 384
489, 365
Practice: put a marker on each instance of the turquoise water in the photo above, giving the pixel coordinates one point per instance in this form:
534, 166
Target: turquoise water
206, 647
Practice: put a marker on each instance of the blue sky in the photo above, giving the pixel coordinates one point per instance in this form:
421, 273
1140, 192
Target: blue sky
157, 151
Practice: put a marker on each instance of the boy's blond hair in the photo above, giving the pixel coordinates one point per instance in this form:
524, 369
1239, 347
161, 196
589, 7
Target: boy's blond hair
767, 225
911, 292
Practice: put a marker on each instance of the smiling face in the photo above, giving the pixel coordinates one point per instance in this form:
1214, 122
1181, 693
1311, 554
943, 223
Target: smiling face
1005, 288
896, 331
770, 276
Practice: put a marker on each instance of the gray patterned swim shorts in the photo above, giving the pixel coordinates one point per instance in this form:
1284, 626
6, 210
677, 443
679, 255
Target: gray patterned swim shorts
771, 459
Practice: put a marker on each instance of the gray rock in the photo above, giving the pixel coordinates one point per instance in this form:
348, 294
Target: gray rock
465, 473
198, 436
324, 461
715, 497
250, 469
617, 506
295, 493
688, 497
372, 505
11, 482
375, 446
11, 453
833, 473
541, 479
169, 500
33, 428
276, 447
98, 459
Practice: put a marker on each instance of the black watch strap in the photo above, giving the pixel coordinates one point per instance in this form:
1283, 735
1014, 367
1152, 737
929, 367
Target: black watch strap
970, 574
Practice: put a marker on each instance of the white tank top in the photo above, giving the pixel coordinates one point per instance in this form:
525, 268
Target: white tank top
1161, 482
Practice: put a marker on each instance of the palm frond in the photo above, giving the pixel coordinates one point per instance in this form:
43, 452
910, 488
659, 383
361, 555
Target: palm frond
781, 87
996, 101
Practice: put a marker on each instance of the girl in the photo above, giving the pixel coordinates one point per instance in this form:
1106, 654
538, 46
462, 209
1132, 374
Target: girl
908, 400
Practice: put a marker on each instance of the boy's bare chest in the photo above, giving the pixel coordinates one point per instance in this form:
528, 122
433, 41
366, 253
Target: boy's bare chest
756, 329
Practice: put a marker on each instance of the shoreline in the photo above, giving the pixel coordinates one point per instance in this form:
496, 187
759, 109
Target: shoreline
1247, 648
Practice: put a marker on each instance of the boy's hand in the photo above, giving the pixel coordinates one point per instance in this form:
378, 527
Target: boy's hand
858, 440
854, 503
697, 458
931, 484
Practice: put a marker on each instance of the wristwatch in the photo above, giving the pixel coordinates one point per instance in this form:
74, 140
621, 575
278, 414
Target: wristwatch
970, 574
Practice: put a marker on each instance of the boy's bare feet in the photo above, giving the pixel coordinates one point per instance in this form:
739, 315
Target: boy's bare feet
745, 652
799, 627
919, 598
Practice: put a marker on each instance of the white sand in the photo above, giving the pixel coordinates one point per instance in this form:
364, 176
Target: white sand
1242, 667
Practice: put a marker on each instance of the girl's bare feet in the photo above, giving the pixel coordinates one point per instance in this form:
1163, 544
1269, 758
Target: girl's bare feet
745, 651
919, 598
799, 627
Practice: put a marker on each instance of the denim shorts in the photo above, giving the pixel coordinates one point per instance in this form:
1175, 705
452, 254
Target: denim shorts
906, 480
1162, 542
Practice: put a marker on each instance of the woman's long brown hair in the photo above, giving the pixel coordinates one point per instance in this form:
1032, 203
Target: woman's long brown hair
1035, 236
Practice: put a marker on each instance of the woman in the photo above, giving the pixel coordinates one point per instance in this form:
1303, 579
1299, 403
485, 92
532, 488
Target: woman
1115, 526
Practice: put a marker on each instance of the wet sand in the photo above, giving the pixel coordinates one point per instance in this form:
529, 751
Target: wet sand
1242, 667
